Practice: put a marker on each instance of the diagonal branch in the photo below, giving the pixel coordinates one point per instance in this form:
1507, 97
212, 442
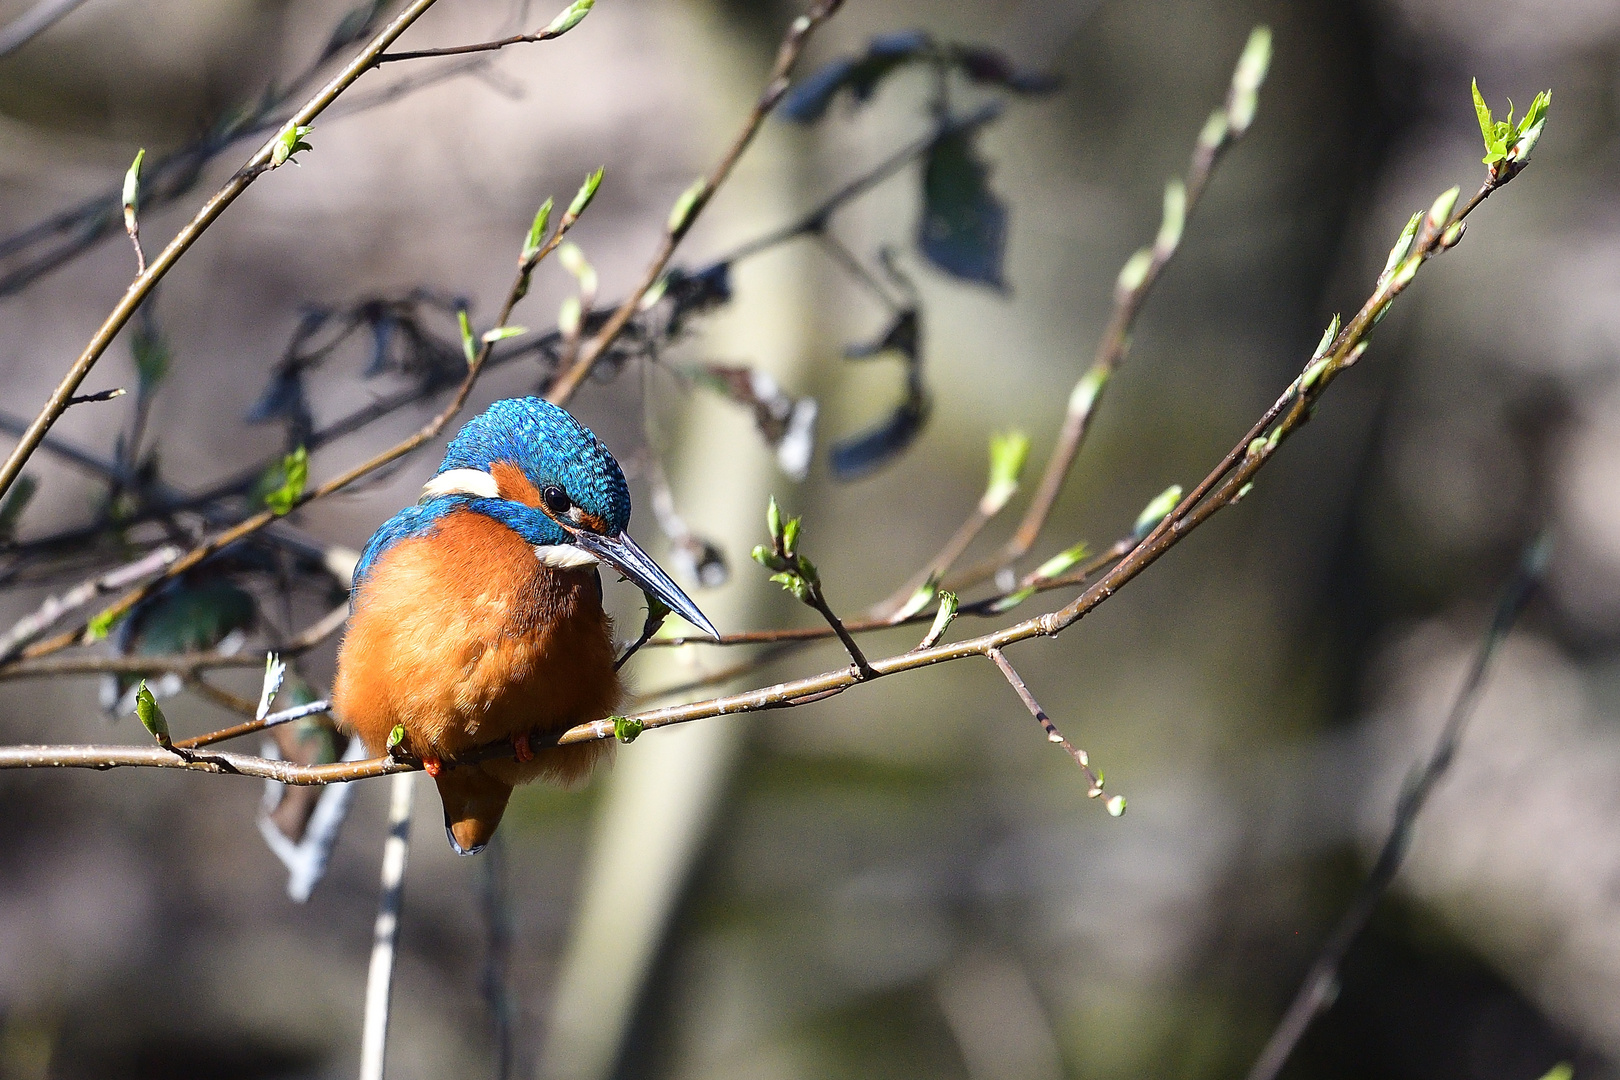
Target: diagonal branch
1136, 281
695, 199
145, 282
1318, 989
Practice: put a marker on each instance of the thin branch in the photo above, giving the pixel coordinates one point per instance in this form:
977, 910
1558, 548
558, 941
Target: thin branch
1094, 781
143, 284
1130, 295
275, 719
385, 935
462, 50
99, 395
1319, 987
184, 665
694, 200
31, 626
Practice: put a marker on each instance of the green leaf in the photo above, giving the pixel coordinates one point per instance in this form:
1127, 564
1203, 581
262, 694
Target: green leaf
294, 474
1084, 395
289, 141
919, 599
1561, 1071
1328, 335
790, 535
1215, 130
1402, 248
583, 197
151, 716
808, 570
942, 620
570, 17
768, 558
1134, 272
773, 518
1248, 77
1155, 511
1440, 211
132, 183
1060, 563
16, 501
793, 583
574, 261
1529, 130
101, 624
1174, 220
537, 232
680, 215
1008, 454
570, 316
501, 333
626, 730
1487, 124
469, 343
395, 737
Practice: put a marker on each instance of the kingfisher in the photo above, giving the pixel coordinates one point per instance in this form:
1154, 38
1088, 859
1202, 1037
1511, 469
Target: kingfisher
476, 615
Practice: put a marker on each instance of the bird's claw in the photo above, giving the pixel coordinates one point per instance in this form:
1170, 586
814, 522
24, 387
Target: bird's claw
520, 747
432, 766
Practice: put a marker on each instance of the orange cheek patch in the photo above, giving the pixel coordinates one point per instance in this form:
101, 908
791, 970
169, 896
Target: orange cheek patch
513, 485
592, 522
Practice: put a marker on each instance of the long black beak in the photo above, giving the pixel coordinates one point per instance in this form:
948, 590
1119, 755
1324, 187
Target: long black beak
625, 556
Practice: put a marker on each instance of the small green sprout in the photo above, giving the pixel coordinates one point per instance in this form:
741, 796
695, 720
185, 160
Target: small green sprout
151, 716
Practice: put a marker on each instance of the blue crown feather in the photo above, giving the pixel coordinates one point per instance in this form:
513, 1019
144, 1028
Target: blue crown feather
549, 445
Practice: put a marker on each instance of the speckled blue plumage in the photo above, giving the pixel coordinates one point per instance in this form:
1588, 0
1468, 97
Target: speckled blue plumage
549, 445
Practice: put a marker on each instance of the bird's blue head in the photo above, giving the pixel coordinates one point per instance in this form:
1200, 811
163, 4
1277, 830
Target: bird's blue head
531, 466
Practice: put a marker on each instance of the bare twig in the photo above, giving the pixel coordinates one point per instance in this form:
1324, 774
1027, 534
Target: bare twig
144, 282
1319, 987
185, 665
1094, 781
242, 705
385, 936
31, 626
1135, 283
99, 395
694, 200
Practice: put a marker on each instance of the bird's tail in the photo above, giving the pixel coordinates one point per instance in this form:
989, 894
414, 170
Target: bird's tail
473, 804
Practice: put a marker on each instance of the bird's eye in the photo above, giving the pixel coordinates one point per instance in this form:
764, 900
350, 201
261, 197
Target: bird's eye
556, 500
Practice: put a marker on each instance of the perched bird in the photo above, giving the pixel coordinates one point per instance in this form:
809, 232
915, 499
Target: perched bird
477, 615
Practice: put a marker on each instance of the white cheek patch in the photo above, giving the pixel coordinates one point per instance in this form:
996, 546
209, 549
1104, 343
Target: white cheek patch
563, 556
462, 482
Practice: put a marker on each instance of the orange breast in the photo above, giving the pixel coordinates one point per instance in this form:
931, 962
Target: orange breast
466, 638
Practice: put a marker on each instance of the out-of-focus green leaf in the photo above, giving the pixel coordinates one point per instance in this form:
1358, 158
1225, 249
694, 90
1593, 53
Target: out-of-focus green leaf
284, 483
192, 617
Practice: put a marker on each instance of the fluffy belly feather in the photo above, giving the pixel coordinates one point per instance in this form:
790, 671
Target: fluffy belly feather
466, 638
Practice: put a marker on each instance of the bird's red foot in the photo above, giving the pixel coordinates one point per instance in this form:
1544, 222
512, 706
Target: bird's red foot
520, 747
432, 766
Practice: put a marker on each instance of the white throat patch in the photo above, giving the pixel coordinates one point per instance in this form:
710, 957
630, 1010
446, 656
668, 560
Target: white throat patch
564, 556
462, 482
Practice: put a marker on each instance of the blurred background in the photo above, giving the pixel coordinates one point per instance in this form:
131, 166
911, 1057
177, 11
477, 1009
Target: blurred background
907, 880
